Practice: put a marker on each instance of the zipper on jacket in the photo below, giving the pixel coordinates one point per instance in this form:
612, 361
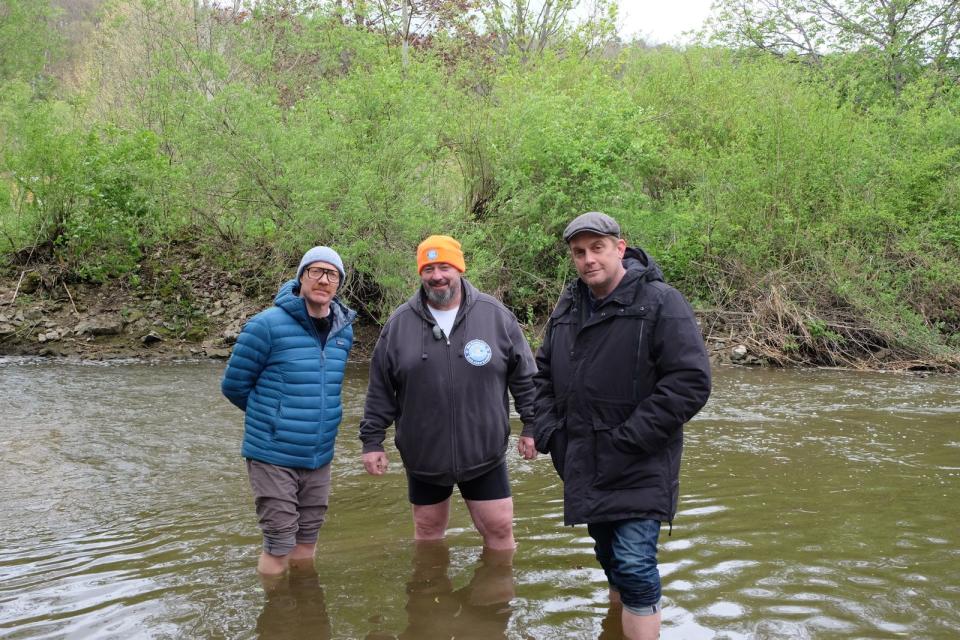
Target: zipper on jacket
323, 391
312, 330
453, 413
453, 431
636, 362
453, 396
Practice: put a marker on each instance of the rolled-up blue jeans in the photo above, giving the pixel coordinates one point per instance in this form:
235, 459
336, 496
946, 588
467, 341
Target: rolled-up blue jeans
627, 551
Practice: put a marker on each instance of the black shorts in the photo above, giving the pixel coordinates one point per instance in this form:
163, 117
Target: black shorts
493, 485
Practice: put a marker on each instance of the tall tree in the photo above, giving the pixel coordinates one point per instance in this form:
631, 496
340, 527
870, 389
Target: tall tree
531, 26
527, 25
902, 35
28, 39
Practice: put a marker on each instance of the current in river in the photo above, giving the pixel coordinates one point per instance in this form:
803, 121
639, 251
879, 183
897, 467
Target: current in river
814, 504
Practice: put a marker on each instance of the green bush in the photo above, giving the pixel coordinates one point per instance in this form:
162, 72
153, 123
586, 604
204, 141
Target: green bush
86, 198
813, 200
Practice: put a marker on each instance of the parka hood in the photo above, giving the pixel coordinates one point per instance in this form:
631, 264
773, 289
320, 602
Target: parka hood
636, 260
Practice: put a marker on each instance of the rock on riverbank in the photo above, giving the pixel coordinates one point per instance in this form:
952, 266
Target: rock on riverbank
97, 322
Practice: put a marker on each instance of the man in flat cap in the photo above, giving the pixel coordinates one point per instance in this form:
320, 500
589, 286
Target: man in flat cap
621, 369
440, 372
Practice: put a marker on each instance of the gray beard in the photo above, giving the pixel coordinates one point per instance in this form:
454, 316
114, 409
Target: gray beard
438, 299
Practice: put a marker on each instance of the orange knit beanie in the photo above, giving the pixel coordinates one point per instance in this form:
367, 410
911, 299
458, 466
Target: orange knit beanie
440, 249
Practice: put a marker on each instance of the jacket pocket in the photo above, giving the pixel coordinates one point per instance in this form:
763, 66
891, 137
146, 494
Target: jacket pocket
618, 468
422, 452
277, 417
543, 434
553, 440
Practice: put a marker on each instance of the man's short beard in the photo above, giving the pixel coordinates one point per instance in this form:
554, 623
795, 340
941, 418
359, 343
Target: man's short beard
442, 298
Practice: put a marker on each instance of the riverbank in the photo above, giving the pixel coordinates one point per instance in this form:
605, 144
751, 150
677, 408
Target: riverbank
192, 310
169, 314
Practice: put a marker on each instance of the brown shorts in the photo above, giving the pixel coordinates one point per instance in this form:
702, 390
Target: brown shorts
291, 504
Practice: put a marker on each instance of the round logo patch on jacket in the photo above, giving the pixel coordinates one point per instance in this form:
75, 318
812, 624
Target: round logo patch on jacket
477, 352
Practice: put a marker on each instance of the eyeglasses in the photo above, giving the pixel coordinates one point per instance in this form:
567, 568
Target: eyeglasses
317, 273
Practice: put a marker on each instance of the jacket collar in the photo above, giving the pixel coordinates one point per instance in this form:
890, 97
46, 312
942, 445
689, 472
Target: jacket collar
288, 298
640, 268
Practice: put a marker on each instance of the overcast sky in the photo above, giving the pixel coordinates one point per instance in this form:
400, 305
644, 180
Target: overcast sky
662, 21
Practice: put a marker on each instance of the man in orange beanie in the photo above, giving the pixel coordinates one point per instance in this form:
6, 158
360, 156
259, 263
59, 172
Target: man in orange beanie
440, 372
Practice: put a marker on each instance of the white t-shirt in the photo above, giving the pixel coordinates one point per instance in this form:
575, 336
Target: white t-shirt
444, 318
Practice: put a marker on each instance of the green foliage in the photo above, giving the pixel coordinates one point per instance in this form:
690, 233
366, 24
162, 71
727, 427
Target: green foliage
39, 157
120, 179
87, 196
552, 139
372, 169
872, 49
265, 133
769, 175
28, 41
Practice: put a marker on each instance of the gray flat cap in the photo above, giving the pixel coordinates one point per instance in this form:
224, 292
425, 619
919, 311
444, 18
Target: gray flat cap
592, 221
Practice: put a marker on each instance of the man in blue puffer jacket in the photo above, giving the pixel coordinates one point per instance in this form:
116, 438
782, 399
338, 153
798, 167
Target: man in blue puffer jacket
286, 372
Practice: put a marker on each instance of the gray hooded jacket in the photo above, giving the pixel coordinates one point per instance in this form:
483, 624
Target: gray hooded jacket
447, 396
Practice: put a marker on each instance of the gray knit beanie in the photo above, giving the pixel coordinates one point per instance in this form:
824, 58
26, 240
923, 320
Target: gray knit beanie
321, 254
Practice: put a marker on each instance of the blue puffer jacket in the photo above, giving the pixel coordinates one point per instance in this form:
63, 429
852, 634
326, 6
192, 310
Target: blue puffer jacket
287, 385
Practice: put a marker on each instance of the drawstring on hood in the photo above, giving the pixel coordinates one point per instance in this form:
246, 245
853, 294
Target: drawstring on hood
423, 341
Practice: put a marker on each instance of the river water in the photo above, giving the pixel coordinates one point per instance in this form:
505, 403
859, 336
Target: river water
814, 504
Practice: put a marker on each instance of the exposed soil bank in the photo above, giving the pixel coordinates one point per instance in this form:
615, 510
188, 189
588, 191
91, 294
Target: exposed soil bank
193, 311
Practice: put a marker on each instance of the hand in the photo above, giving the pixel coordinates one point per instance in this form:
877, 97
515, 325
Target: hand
375, 462
526, 448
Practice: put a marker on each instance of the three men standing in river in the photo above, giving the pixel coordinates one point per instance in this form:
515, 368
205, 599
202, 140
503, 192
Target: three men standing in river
622, 368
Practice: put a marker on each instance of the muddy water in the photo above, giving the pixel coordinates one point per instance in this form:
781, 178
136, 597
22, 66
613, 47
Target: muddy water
815, 504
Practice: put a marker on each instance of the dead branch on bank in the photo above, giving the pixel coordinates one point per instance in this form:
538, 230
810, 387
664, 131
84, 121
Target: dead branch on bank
789, 324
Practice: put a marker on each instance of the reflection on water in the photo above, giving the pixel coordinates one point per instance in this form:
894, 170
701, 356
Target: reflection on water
294, 608
815, 504
479, 610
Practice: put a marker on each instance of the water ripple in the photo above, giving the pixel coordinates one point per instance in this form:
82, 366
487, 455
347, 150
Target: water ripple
813, 504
